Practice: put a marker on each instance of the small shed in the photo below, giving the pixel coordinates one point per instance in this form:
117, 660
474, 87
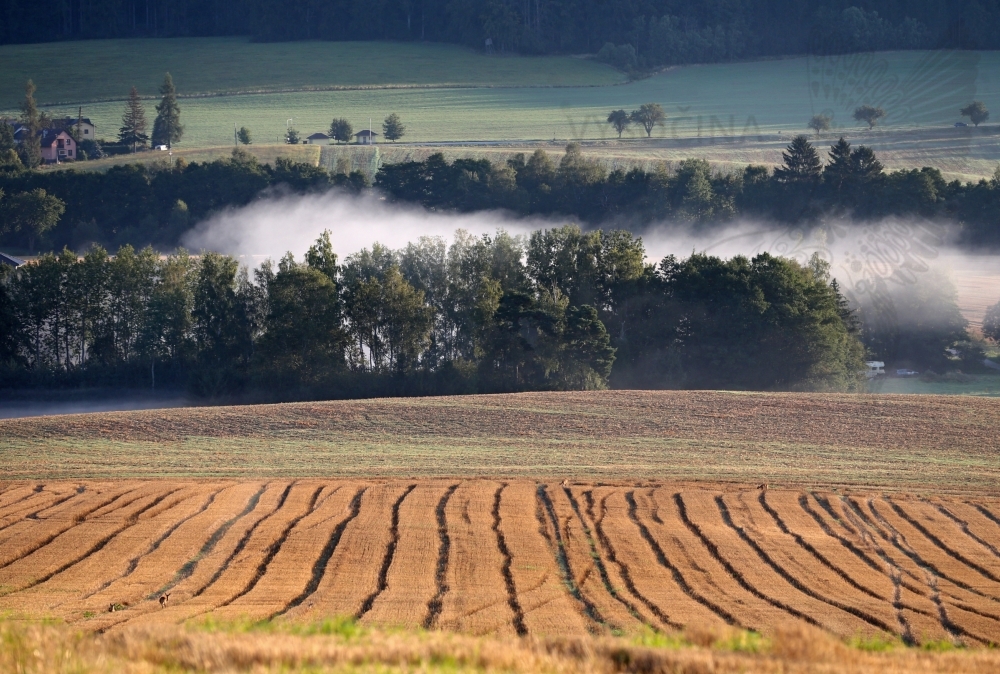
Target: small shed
11, 261
365, 137
318, 139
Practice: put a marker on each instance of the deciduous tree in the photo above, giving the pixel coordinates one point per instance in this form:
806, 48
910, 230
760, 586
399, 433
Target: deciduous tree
869, 114
649, 115
976, 112
341, 130
32, 213
392, 128
620, 120
820, 123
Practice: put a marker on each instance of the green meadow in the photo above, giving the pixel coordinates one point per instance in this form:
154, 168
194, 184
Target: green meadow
99, 70
450, 94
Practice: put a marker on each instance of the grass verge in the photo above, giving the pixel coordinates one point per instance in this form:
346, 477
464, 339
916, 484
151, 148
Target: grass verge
340, 645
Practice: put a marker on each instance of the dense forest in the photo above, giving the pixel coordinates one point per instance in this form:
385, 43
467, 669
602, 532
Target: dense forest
140, 205
561, 309
632, 34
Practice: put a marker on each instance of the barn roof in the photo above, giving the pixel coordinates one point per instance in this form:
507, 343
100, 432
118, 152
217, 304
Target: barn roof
10, 260
365, 133
318, 136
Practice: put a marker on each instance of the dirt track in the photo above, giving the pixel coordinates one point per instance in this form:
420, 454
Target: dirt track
504, 558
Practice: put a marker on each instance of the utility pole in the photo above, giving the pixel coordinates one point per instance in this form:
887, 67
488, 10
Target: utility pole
236, 142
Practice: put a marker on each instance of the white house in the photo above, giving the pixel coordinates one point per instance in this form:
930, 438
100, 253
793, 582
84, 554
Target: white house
318, 139
87, 131
365, 137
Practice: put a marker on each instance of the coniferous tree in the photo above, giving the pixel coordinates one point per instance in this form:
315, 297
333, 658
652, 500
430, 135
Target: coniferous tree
167, 129
801, 162
30, 149
991, 323
838, 170
133, 128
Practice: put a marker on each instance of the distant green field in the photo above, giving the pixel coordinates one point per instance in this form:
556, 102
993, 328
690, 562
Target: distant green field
759, 104
99, 70
987, 385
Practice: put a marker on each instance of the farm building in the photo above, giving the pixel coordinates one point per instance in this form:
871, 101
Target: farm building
10, 260
366, 137
318, 139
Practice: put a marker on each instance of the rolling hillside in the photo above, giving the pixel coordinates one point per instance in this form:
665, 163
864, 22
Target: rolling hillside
505, 98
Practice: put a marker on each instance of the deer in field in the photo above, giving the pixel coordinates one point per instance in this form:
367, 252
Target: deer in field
762, 486
163, 600
111, 608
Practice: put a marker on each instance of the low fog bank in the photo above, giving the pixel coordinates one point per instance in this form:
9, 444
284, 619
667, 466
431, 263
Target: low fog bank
870, 260
13, 409
275, 226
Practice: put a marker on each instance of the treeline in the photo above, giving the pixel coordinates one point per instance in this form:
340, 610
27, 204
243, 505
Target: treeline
137, 204
561, 309
141, 205
808, 187
640, 34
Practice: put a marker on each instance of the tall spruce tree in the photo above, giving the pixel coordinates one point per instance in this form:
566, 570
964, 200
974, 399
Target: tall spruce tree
30, 149
801, 162
133, 128
167, 129
838, 170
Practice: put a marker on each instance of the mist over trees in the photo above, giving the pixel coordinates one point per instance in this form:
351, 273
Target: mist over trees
140, 205
629, 35
561, 309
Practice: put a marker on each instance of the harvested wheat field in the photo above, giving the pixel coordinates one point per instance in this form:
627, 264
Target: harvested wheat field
591, 532
948, 444
504, 558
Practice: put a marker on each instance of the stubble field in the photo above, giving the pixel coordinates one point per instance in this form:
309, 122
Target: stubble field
504, 558
584, 523
947, 444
